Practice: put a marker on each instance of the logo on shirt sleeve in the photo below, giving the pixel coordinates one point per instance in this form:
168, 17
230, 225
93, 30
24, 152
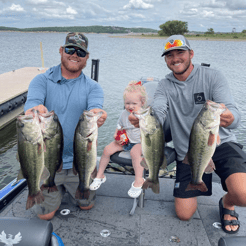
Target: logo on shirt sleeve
199, 98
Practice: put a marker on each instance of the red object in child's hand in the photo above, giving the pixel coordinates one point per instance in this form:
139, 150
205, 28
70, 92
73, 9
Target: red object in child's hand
121, 135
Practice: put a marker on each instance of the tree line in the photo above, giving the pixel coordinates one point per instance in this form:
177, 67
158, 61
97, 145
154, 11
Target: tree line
179, 27
85, 29
167, 29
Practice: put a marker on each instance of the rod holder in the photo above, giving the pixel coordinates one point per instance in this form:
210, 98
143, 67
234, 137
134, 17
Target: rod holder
95, 69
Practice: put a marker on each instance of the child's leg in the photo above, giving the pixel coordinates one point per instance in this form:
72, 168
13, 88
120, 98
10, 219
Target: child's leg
136, 153
107, 152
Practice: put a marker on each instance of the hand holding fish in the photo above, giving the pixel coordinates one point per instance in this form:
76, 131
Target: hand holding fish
133, 120
40, 108
102, 119
226, 118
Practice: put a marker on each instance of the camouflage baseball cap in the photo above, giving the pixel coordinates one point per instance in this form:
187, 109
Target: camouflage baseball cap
78, 40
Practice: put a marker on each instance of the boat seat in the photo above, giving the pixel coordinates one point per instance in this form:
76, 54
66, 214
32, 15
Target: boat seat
123, 158
28, 232
232, 241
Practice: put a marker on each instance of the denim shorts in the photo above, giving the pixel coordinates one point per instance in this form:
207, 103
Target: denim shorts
128, 146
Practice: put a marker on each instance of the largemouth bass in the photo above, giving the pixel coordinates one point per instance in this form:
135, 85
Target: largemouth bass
153, 143
53, 140
31, 156
203, 138
85, 152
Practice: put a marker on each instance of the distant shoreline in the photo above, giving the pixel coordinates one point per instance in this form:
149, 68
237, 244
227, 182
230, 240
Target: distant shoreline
146, 36
188, 37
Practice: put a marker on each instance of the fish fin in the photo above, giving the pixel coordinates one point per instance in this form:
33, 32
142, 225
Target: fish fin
186, 160
144, 164
150, 184
45, 174
94, 173
164, 163
39, 148
50, 189
17, 157
74, 170
20, 175
44, 144
201, 187
34, 199
211, 139
210, 167
89, 145
218, 139
82, 195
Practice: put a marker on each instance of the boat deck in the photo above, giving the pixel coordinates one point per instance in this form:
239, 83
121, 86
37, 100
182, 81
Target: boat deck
152, 225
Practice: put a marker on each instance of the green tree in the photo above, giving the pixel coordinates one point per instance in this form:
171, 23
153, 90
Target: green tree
243, 31
210, 31
173, 27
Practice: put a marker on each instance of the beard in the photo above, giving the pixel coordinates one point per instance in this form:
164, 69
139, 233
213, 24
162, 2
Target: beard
187, 65
72, 68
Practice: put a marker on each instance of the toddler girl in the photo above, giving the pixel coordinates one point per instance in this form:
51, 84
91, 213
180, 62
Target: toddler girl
134, 99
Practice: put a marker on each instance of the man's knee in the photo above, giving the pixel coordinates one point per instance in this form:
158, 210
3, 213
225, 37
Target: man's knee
185, 208
184, 216
48, 216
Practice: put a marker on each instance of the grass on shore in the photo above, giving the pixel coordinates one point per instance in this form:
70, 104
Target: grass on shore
221, 36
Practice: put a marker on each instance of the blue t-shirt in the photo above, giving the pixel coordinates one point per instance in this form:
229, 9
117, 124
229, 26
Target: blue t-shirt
68, 99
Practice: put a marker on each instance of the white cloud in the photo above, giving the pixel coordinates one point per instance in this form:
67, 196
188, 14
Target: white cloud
37, 1
16, 7
138, 4
208, 14
192, 11
71, 11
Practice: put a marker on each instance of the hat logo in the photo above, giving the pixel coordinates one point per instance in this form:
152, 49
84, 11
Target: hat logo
77, 38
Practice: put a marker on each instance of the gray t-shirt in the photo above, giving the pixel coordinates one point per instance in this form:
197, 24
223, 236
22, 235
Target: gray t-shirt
132, 132
182, 101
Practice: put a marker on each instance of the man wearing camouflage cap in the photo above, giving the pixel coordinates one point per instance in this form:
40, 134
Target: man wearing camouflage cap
68, 91
180, 97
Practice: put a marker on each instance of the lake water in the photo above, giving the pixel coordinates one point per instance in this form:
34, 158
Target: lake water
121, 60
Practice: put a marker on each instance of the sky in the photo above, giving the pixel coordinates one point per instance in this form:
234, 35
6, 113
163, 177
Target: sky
201, 15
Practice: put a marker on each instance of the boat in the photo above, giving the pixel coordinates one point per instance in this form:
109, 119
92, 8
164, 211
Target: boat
117, 219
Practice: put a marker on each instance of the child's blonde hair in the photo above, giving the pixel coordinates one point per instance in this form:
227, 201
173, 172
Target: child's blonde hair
135, 86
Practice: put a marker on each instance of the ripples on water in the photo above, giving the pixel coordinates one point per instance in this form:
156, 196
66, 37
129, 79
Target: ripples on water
121, 60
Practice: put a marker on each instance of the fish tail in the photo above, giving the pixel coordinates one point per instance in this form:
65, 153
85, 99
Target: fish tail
201, 186
50, 189
34, 199
150, 184
82, 194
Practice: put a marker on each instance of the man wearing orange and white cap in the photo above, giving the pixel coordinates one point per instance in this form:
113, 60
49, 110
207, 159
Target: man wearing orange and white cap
181, 95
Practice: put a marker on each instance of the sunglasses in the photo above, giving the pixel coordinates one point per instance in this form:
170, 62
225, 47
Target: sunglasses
175, 43
72, 50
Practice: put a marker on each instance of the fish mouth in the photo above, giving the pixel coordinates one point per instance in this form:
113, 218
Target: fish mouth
208, 127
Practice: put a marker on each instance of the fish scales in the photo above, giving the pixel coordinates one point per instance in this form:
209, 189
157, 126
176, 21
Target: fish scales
202, 144
53, 140
152, 142
85, 151
30, 153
